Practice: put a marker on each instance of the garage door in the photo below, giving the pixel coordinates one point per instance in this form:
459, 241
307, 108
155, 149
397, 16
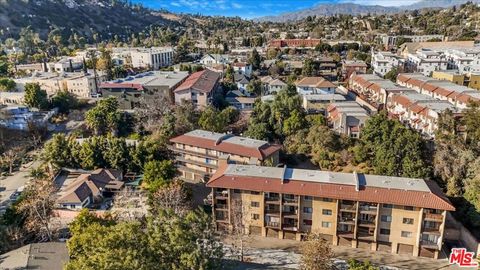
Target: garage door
383, 246
272, 233
426, 252
364, 245
289, 235
344, 242
405, 249
255, 230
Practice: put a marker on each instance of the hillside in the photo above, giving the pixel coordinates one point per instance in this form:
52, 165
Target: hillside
356, 9
106, 17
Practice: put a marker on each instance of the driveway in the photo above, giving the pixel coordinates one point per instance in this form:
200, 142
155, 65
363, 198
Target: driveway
9, 184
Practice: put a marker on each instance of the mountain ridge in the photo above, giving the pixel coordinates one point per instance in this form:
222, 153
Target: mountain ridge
357, 9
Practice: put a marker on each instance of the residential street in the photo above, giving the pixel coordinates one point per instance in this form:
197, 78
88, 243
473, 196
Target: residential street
9, 184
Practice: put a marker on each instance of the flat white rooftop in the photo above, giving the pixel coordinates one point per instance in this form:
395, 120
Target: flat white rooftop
389, 182
229, 138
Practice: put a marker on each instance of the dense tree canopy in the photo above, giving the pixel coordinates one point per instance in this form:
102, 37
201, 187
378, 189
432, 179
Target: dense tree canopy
35, 97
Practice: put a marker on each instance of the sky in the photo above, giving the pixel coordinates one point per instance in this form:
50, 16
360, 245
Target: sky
252, 8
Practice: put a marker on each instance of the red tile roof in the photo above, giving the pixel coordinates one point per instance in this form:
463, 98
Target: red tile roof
261, 153
203, 81
433, 199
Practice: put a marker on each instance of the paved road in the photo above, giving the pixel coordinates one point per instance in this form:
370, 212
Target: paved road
9, 184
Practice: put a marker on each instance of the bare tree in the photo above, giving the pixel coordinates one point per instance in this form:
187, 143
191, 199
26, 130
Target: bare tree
316, 253
150, 111
240, 225
171, 197
10, 157
38, 203
36, 133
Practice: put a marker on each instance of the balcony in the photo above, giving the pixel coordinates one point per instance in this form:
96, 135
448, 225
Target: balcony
221, 216
293, 214
433, 217
271, 224
346, 234
429, 244
348, 207
222, 206
346, 220
289, 227
367, 223
272, 211
290, 200
368, 209
272, 200
368, 237
183, 151
221, 195
196, 162
431, 230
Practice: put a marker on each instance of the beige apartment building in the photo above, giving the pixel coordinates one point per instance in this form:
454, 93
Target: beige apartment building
398, 215
197, 152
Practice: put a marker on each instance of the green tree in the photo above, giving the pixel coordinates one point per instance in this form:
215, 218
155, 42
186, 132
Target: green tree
64, 101
255, 59
157, 174
104, 116
58, 152
213, 120
357, 265
392, 74
254, 87
7, 84
35, 97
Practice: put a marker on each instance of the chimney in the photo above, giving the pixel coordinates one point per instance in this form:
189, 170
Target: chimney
223, 161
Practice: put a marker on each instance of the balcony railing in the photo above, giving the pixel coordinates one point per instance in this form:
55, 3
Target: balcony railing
272, 199
289, 228
432, 230
290, 200
346, 220
273, 224
429, 244
435, 217
348, 207
272, 212
368, 208
367, 223
223, 194
221, 206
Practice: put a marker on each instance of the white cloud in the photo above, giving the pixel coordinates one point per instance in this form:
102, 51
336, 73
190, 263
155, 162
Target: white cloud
175, 4
237, 5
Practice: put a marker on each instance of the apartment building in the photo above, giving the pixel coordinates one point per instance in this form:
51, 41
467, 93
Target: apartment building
426, 61
390, 41
374, 89
470, 79
130, 90
384, 62
198, 152
347, 118
77, 83
419, 111
399, 215
457, 95
353, 66
463, 59
294, 43
151, 58
200, 88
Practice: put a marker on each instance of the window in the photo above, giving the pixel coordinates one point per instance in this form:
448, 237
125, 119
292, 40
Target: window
327, 200
386, 218
255, 216
236, 191
307, 210
384, 231
254, 192
388, 205
406, 234
327, 212
307, 222
326, 224
407, 220
409, 208
308, 198
255, 204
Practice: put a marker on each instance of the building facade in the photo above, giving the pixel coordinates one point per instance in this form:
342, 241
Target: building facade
398, 215
152, 58
198, 152
200, 88
315, 85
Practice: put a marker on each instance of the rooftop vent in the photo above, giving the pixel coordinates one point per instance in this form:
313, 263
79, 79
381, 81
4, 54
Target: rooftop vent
357, 181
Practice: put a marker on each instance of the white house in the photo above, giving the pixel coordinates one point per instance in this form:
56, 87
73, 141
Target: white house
243, 68
426, 61
383, 62
271, 85
315, 85
215, 59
